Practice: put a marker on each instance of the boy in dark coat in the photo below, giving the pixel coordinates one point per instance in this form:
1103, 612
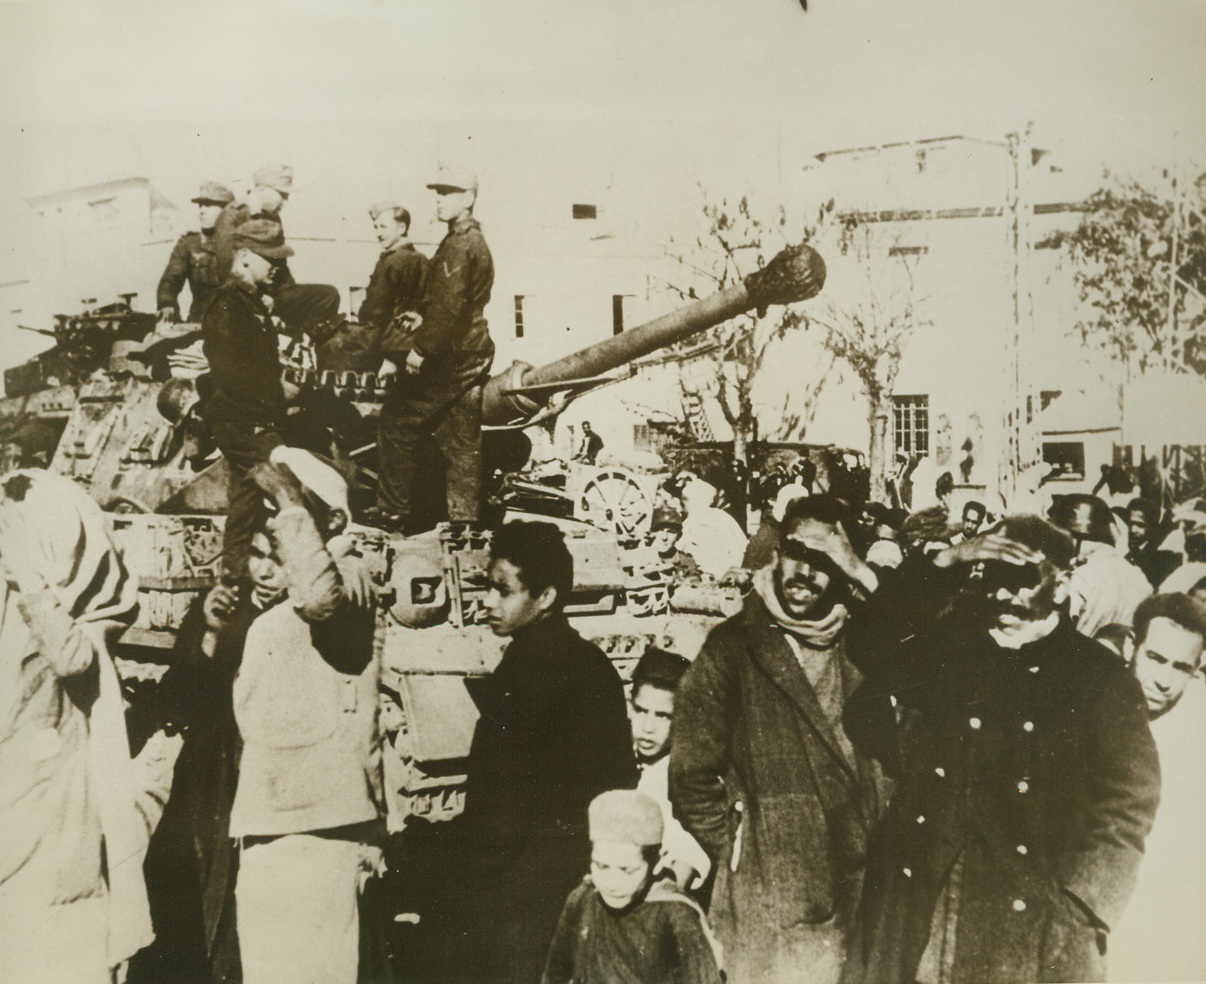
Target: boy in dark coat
552, 735
1028, 776
620, 925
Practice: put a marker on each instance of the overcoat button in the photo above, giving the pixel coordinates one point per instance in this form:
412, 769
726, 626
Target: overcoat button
940, 772
975, 723
1028, 726
908, 872
1023, 849
1023, 786
1019, 905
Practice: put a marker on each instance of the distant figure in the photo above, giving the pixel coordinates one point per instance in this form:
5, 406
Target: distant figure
1159, 937
1144, 536
662, 551
973, 518
589, 446
1104, 588
194, 259
622, 925
944, 488
711, 537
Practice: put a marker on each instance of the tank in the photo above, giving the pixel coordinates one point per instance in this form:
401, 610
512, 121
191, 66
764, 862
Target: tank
102, 393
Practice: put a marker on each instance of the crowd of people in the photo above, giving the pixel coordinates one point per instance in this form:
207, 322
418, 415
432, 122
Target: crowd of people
930, 747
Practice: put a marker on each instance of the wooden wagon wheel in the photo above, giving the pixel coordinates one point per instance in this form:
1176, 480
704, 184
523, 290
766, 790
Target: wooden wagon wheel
614, 500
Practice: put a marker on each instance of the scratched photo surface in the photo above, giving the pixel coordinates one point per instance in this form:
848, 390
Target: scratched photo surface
949, 257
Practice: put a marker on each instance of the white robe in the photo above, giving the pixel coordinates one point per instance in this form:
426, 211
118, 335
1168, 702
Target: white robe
1162, 934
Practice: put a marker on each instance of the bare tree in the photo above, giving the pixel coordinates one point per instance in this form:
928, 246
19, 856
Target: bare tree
868, 321
733, 241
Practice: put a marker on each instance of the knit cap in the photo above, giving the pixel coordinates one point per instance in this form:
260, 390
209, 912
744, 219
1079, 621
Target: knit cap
625, 816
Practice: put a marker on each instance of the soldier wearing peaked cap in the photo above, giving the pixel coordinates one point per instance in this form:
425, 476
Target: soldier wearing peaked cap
246, 408
194, 258
446, 360
299, 306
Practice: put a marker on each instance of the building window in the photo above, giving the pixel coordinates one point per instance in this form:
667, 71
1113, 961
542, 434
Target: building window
911, 424
519, 316
908, 250
1064, 459
103, 211
586, 211
617, 313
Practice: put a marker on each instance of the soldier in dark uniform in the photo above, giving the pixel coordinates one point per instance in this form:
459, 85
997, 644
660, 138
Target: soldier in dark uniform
445, 361
194, 258
300, 306
396, 283
246, 405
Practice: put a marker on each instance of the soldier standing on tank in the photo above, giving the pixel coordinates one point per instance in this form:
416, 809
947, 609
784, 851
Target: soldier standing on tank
396, 284
246, 404
445, 362
300, 306
194, 258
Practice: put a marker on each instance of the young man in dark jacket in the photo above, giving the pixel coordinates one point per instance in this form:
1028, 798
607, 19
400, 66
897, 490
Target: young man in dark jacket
552, 735
1028, 776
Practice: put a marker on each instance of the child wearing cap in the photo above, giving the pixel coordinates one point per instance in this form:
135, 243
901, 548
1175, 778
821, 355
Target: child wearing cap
651, 710
619, 924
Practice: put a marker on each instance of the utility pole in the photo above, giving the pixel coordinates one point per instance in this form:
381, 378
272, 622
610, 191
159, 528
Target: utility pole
1020, 467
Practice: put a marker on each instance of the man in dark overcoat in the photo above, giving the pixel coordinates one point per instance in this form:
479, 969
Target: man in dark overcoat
1028, 776
552, 735
762, 773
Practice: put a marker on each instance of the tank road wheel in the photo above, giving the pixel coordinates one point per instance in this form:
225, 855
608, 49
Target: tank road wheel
614, 500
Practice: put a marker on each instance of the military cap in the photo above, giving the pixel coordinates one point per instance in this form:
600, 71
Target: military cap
263, 237
665, 518
660, 668
212, 193
278, 177
377, 208
625, 816
454, 176
1083, 515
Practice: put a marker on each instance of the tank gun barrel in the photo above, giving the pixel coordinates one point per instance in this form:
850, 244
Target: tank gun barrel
795, 274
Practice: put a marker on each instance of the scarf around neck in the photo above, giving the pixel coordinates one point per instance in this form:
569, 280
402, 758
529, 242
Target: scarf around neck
818, 634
